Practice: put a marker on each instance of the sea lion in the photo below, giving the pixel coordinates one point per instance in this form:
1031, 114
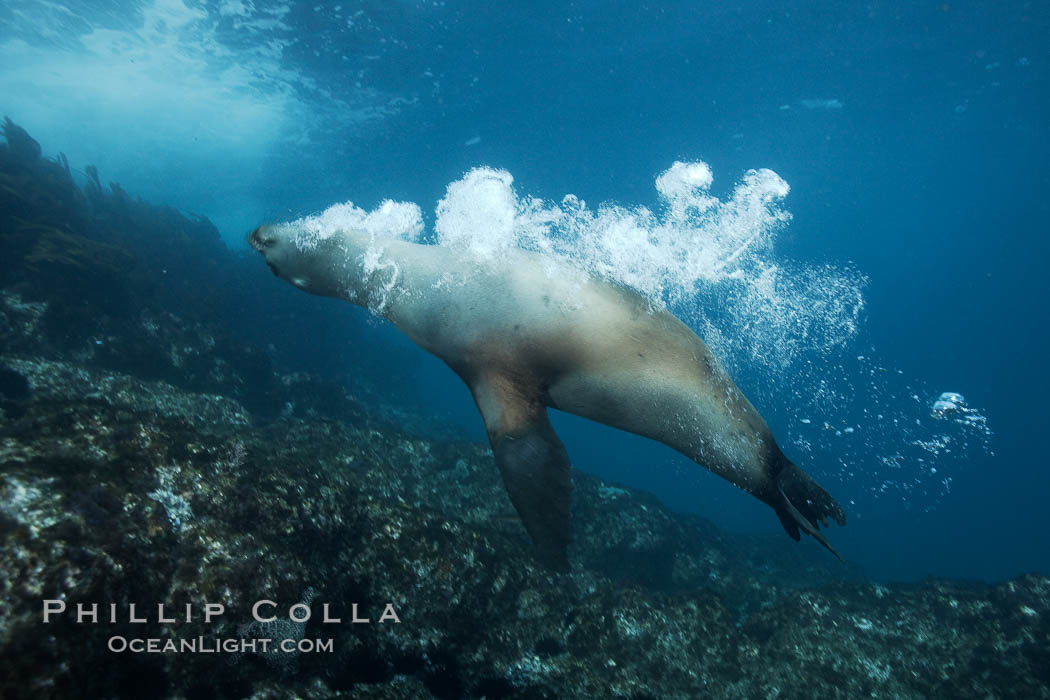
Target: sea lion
524, 340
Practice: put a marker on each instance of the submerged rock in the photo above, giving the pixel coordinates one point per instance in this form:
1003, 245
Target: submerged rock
23, 147
149, 494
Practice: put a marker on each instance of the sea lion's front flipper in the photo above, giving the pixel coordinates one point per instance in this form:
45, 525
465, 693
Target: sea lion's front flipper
532, 462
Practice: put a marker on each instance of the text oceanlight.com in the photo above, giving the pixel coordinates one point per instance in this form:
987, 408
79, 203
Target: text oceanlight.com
214, 645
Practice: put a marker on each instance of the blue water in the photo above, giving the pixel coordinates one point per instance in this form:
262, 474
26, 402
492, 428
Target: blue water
913, 136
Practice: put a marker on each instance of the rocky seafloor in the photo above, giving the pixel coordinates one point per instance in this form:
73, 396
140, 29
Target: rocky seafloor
155, 453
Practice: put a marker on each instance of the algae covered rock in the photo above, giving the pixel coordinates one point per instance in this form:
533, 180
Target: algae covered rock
22, 146
147, 494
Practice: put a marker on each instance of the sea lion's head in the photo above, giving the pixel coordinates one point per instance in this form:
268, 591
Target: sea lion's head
308, 268
274, 247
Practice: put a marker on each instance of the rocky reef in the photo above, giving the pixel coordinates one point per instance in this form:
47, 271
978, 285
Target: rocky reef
142, 493
153, 454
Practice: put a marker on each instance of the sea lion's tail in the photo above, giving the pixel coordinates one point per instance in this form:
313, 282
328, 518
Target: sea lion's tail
802, 504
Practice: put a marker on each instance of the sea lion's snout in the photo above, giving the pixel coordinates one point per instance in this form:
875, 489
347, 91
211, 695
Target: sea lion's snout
264, 240
260, 239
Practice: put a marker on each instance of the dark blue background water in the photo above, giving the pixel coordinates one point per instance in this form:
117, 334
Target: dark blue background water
914, 137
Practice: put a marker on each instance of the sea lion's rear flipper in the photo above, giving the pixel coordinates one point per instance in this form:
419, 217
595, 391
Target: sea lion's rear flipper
801, 503
533, 464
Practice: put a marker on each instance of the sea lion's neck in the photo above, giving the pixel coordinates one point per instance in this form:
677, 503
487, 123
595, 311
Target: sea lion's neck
368, 271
